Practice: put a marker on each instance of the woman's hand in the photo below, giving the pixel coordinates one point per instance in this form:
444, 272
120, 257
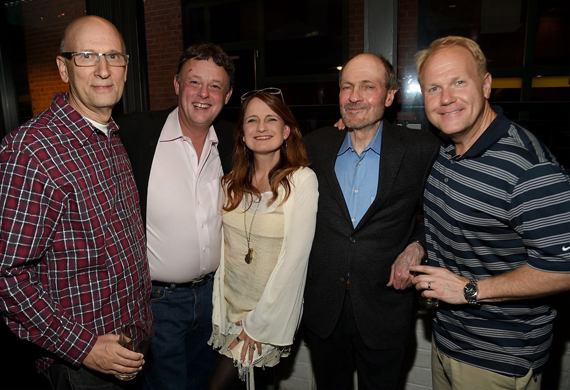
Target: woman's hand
249, 345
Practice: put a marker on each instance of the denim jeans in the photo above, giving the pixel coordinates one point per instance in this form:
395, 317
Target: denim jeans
60, 376
180, 357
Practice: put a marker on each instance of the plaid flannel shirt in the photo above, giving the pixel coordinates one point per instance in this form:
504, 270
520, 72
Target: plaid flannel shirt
72, 248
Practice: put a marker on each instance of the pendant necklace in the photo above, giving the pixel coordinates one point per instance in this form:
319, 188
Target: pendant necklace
249, 254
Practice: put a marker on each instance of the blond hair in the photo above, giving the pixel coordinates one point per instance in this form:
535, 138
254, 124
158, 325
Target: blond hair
450, 41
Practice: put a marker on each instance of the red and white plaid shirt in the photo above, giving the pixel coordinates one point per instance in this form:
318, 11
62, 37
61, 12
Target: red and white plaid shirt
72, 249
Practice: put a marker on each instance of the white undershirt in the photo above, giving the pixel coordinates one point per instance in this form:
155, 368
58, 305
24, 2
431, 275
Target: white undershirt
184, 223
100, 126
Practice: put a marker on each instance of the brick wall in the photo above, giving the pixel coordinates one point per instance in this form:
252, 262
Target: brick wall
355, 27
164, 43
44, 23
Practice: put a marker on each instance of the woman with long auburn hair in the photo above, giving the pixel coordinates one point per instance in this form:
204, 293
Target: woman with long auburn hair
269, 223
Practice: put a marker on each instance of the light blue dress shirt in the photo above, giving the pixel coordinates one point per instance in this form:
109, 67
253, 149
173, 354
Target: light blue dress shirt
358, 174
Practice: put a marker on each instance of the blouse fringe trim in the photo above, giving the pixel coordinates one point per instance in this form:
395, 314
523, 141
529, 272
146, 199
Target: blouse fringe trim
221, 343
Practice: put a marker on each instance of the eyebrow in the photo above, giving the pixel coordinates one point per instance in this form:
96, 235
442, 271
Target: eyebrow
200, 77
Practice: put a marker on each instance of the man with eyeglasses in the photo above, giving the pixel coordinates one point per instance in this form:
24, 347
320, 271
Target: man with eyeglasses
177, 158
73, 264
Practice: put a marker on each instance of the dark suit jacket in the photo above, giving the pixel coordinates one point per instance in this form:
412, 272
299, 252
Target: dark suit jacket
383, 315
140, 132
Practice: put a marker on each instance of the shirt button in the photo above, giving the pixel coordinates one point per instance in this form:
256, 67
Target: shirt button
191, 155
356, 191
352, 219
204, 249
446, 180
202, 226
352, 239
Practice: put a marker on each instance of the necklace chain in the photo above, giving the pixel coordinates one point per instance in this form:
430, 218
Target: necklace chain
249, 254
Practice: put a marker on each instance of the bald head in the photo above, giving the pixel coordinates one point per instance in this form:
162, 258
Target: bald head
86, 22
96, 87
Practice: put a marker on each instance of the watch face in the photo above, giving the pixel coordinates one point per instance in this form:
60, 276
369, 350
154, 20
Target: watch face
470, 289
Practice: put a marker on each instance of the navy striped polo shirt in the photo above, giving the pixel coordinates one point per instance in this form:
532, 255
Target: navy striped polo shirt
503, 204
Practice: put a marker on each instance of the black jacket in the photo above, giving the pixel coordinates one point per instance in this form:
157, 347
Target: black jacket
383, 315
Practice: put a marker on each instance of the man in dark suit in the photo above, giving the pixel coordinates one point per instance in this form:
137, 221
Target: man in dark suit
177, 158
358, 308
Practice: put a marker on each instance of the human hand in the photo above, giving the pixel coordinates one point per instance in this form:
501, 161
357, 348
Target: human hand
248, 347
109, 357
440, 283
340, 124
400, 277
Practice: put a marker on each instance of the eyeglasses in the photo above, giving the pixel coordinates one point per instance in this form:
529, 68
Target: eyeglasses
270, 90
89, 58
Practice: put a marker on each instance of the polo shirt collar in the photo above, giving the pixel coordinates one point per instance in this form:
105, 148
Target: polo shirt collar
496, 130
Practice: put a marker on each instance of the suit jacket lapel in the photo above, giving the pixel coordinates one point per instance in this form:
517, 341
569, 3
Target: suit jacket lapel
391, 158
330, 158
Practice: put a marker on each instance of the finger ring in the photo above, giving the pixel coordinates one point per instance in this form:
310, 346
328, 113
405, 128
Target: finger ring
429, 285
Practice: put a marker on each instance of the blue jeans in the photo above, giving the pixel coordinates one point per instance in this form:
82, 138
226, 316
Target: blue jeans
180, 357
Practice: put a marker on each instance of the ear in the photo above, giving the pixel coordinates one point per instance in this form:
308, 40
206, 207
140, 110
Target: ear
487, 84
62, 67
228, 95
390, 97
176, 85
287, 132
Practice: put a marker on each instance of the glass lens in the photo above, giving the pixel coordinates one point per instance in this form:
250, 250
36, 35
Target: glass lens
116, 59
85, 59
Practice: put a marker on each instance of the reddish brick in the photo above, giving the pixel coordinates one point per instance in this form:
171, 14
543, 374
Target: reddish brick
42, 45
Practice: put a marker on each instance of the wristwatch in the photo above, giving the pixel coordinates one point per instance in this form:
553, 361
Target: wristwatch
470, 292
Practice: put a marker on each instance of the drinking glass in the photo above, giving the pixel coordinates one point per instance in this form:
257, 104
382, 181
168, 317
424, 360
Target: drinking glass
134, 338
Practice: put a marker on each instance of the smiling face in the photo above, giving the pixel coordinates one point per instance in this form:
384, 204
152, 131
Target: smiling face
264, 131
203, 90
93, 90
456, 95
363, 95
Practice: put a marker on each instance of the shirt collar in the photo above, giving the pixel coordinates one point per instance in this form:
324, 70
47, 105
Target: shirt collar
74, 121
172, 130
375, 144
496, 130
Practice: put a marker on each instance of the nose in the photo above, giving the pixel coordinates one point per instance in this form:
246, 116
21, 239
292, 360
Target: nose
203, 92
447, 96
102, 68
261, 128
355, 95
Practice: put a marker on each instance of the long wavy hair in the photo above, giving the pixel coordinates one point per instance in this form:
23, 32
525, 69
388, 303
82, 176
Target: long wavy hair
292, 156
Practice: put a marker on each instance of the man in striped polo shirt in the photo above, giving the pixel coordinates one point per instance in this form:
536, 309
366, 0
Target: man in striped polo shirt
497, 217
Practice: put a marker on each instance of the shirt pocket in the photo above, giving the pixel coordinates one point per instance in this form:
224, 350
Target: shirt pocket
215, 192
